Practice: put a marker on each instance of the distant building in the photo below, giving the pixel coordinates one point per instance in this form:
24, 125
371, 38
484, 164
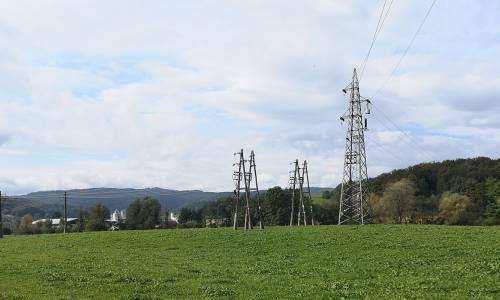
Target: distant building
55, 222
174, 217
217, 222
116, 217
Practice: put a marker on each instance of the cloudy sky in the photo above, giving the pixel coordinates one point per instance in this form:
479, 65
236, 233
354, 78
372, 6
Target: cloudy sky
162, 93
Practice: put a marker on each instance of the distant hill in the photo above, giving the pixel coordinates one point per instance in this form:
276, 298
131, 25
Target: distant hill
45, 203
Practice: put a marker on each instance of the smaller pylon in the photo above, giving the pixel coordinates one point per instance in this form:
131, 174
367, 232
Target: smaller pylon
245, 189
307, 192
253, 171
299, 176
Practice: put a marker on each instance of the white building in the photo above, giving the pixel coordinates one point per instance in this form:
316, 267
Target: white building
118, 215
115, 218
55, 222
174, 217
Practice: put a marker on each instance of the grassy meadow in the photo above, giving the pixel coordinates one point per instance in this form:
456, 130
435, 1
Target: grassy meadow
322, 262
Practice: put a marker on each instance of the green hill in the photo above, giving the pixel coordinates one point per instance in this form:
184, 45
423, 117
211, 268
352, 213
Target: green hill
468, 176
322, 262
44, 203
476, 178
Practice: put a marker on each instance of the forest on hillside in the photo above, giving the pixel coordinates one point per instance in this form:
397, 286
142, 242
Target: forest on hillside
455, 192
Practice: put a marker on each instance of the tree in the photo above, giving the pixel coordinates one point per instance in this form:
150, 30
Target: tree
26, 226
81, 220
397, 201
184, 215
276, 207
456, 209
492, 188
379, 214
492, 213
134, 215
46, 227
219, 212
190, 214
150, 213
97, 218
143, 214
326, 194
326, 211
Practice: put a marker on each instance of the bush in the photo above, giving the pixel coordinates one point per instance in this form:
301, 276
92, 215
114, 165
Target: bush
190, 224
143, 214
25, 226
97, 216
6, 231
169, 225
456, 209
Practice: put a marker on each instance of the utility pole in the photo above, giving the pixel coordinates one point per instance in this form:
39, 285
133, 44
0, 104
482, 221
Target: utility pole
65, 212
253, 171
302, 211
305, 176
1, 220
355, 175
300, 177
237, 180
240, 174
247, 176
293, 183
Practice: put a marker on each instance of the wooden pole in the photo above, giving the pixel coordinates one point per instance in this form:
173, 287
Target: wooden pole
65, 212
294, 182
237, 190
247, 178
254, 166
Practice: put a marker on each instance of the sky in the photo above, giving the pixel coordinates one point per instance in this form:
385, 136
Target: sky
162, 93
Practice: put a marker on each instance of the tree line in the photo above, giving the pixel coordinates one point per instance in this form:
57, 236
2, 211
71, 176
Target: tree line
276, 211
454, 192
141, 214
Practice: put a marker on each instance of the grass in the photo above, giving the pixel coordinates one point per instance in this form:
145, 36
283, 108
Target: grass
326, 262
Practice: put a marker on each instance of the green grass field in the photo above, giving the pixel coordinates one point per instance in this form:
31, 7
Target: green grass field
327, 262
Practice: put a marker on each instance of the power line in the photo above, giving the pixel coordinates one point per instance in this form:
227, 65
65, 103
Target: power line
380, 23
415, 146
385, 150
407, 48
373, 39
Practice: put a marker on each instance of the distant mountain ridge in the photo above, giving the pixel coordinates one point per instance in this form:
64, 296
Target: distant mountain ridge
45, 203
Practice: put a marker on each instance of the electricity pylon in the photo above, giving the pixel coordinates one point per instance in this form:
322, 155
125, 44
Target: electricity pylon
355, 175
253, 171
299, 177
241, 174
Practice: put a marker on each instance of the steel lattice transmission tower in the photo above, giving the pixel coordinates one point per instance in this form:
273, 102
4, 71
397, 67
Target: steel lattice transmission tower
300, 176
355, 175
247, 174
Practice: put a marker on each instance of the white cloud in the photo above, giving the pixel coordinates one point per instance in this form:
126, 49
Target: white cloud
126, 94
